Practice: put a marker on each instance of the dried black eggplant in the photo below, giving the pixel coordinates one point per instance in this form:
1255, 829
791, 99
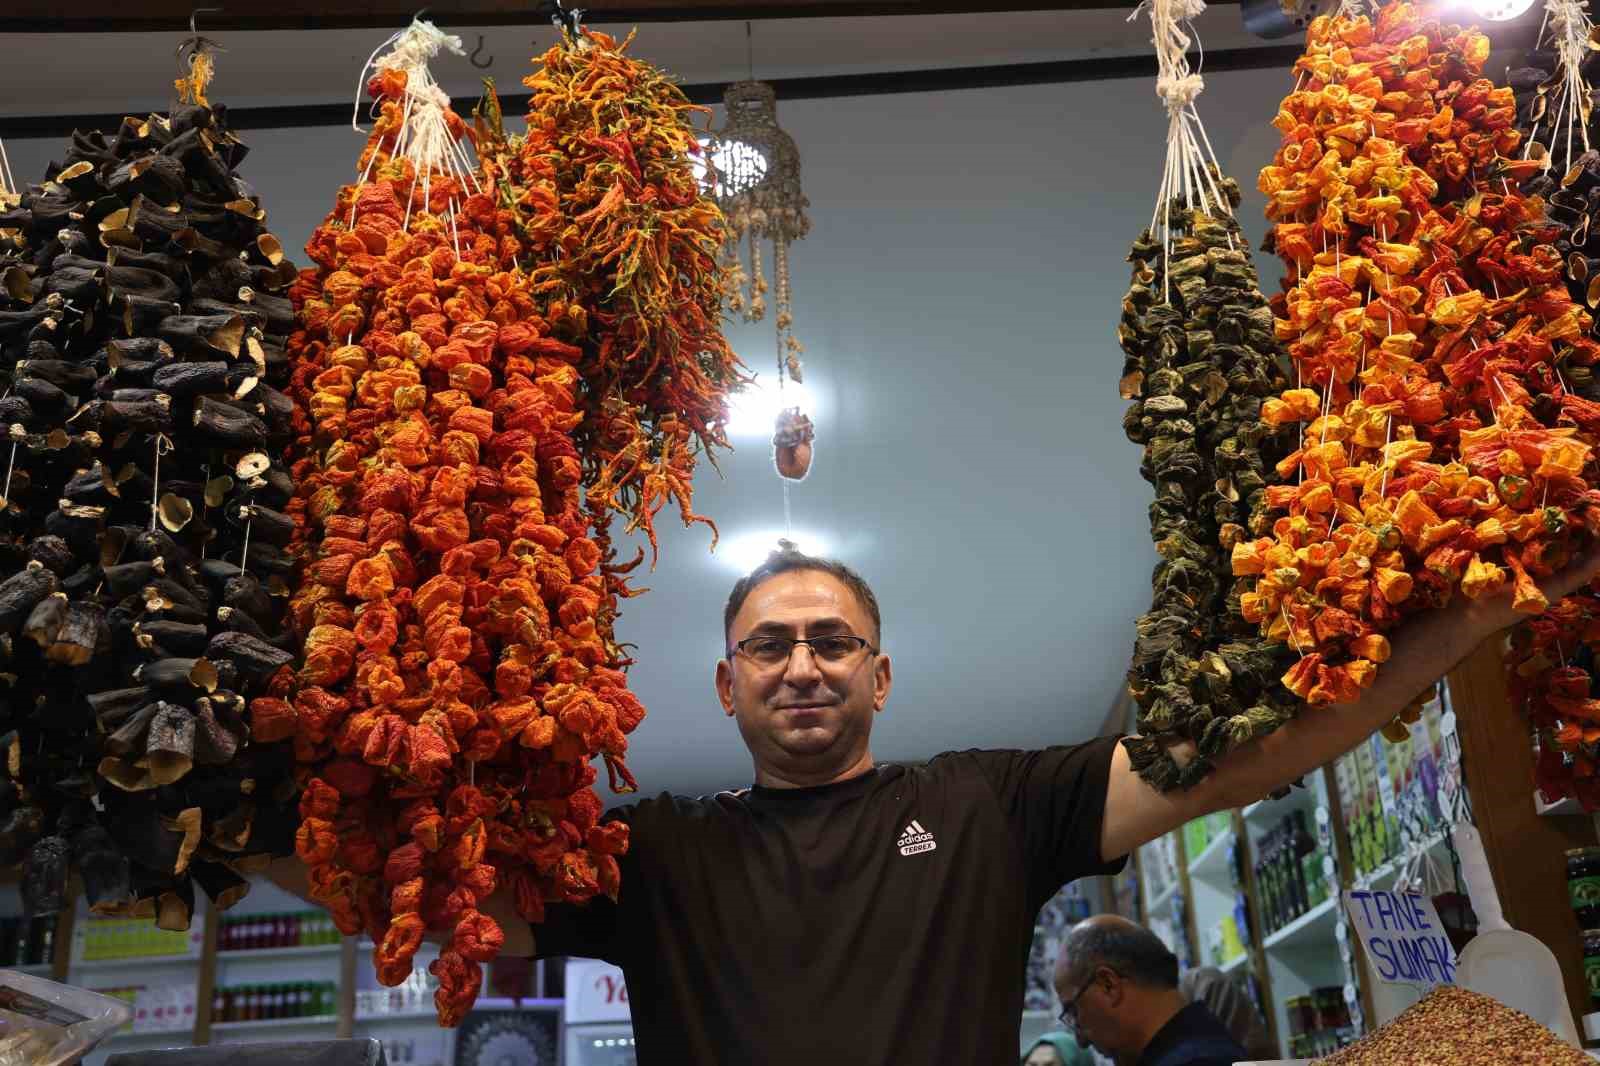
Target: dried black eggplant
143, 313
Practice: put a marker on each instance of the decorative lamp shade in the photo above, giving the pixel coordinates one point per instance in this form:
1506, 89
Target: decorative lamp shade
1281, 18
758, 166
757, 185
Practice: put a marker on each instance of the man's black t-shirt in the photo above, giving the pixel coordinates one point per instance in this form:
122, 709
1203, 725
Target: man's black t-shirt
883, 919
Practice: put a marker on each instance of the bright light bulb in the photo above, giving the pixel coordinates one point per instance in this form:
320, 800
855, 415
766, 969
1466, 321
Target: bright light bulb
1501, 10
753, 410
739, 165
743, 552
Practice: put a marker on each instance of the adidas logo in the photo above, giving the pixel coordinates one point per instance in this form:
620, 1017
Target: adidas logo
915, 840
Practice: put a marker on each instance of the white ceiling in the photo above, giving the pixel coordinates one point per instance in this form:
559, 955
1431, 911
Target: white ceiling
957, 296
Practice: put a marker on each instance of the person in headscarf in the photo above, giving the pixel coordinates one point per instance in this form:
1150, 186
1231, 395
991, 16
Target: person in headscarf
1058, 1049
1229, 1002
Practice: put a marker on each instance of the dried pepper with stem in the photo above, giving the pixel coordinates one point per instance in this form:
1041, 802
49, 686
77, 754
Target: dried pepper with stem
456, 600
623, 243
1428, 324
143, 523
1550, 676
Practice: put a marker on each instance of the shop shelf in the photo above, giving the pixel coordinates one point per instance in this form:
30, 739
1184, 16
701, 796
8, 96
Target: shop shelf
1211, 865
1384, 876
183, 1034
1263, 813
1162, 898
307, 1022
397, 1016
1564, 806
1313, 924
134, 961
301, 951
1234, 963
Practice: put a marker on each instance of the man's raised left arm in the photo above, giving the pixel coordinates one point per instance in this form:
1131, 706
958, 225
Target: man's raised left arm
1425, 647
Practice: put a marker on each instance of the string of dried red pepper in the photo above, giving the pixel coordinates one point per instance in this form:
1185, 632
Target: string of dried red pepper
459, 590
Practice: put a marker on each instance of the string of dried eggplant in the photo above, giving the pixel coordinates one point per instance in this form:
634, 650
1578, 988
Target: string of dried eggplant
142, 528
1200, 357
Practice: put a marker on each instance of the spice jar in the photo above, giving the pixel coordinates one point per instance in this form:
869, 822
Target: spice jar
1583, 885
1591, 964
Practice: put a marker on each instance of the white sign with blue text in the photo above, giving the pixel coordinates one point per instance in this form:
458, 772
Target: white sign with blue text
1403, 937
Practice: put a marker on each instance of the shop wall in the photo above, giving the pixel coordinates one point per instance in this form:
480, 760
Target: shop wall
957, 297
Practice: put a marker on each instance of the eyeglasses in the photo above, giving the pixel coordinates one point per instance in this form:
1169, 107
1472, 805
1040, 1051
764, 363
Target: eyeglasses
1069, 1011
775, 651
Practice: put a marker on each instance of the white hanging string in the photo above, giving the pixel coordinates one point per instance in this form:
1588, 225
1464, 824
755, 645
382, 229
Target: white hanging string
424, 136
1566, 30
8, 184
162, 446
1190, 169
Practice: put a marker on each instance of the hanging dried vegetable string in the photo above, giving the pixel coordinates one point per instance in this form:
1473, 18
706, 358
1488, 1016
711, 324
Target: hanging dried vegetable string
1426, 317
1200, 358
624, 245
141, 331
459, 672
1550, 659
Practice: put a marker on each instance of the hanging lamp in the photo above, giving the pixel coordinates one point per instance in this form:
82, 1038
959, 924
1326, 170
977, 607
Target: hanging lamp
757, 184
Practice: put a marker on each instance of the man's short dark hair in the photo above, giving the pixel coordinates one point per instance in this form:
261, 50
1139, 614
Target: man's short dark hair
1131, 950
789, 558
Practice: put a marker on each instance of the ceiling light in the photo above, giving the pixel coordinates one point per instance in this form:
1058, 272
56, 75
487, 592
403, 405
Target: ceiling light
1501, 10
753, 410
743, 552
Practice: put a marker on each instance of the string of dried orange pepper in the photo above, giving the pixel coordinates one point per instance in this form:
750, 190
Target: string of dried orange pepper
1424, 320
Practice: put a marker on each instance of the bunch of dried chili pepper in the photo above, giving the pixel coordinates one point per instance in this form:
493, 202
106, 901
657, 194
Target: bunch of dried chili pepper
457, 674
1550, 674
143, 523
1426, 318
1550, 659
623, 242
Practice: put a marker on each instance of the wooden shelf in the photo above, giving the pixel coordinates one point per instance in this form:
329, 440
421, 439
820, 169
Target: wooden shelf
1313, 924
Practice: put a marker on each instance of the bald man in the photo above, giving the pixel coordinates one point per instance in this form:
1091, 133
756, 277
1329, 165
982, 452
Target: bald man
1119, 992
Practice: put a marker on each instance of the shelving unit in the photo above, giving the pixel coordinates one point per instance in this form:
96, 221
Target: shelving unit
1312, 949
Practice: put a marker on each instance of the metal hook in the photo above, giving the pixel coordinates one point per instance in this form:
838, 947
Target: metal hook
195, 44
473, 58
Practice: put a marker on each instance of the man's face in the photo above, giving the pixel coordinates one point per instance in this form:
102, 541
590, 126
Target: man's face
807, 714
1096, 997
1043, 1055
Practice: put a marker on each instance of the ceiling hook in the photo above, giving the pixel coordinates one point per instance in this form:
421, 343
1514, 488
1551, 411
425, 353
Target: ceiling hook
193, 32
473, 58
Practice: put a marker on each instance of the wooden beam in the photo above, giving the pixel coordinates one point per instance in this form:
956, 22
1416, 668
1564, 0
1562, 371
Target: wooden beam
1525, 850
163, 16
